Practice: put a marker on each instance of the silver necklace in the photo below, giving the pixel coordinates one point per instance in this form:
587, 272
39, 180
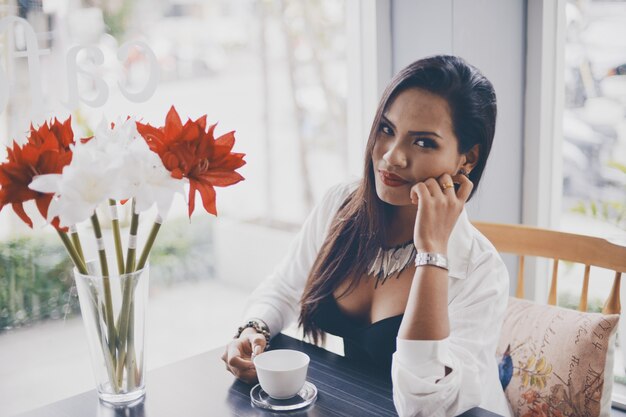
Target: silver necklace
389, 262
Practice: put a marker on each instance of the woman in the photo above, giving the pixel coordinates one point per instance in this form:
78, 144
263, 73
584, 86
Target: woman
392, 263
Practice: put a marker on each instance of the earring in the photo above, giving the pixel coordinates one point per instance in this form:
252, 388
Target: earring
463, 172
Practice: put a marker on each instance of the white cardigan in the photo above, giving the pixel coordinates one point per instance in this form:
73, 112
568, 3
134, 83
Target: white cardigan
477, 298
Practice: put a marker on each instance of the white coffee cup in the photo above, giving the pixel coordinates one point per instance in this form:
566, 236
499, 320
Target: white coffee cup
282, 372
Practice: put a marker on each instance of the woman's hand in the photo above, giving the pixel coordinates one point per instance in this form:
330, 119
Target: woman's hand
438, 208
240, 352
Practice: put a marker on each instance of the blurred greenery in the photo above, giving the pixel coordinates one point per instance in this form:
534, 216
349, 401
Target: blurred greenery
116, 15
117, 18
611, 211
36, 281
571, 300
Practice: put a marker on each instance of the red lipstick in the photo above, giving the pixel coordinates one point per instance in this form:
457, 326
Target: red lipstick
390, 179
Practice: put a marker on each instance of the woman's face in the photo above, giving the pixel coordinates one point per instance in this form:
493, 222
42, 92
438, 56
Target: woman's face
415, 141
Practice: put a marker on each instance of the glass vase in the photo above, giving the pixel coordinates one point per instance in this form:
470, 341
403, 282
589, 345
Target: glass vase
114, 310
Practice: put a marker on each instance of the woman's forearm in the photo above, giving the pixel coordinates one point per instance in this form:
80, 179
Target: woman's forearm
426, 314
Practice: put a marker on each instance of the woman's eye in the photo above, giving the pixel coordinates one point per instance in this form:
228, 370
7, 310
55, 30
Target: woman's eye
425, 143
386, 129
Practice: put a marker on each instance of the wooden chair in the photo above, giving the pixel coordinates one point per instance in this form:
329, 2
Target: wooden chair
532, 341
558, 246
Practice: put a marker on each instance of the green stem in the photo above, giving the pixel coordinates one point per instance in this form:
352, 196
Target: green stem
101, 250
132, 241
76, 242
108, 360
108, 302
125, 320
76, 259
125, 323
121, 360
116, 237
148, 247
131, 361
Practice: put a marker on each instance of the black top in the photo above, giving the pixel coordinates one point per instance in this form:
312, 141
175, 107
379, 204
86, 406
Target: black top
372, 344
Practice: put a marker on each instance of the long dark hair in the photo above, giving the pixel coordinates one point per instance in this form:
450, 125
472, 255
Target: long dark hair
357, 230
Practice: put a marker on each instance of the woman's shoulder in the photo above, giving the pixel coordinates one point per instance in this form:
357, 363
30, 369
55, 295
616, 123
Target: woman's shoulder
482, 245
485, 258
341, 190
477, 254
337, 194
329, 205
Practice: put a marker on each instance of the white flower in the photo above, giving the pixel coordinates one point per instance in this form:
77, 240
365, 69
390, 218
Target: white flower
144, 178
110, 141
82, 186
115, 164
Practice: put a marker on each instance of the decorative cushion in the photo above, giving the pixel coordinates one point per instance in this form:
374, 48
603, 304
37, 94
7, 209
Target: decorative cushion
555, 361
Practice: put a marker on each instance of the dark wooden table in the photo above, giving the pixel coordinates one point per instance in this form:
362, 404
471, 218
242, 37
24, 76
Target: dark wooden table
200, 386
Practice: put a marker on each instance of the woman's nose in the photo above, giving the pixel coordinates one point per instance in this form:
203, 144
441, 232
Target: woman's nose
395, 155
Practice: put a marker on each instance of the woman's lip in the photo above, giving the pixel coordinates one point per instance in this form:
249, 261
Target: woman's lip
390, 179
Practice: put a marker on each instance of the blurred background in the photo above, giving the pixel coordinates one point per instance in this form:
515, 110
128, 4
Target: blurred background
282, 74
593, 198
273, 71
594, 128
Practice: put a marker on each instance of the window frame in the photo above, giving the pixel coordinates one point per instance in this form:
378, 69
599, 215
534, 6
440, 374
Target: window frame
368, 26
543, 112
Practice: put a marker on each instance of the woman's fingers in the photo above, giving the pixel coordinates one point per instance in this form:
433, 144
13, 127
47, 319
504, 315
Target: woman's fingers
239, 354
446, 184
433, 187
438, 210
238, 362
242, 368
225, 358
419, 192
465, 188
424, 190
258, 343
413, 195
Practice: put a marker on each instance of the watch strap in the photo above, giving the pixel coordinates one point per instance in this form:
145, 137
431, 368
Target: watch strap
431, 258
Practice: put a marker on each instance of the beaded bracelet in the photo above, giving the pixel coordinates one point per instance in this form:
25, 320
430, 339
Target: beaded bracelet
259, 327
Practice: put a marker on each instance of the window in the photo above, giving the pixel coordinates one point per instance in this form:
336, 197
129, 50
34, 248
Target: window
594, 141
274, 71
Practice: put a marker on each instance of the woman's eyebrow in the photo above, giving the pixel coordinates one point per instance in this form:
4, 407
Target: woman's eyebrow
423, 132
412, 132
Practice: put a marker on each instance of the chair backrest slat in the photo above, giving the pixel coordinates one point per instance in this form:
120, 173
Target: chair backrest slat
613, 305
527, 241
571, 247
583, 296
519, 291
555, 274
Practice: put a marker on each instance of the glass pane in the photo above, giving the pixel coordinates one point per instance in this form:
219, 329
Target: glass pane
594, 141
272, 70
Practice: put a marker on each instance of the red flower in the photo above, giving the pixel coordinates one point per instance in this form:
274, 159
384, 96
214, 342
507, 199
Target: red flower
60, 132
191, 152
530, 396
47, 151
540, 410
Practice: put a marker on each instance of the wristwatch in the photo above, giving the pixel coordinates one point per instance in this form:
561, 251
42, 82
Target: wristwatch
434, 259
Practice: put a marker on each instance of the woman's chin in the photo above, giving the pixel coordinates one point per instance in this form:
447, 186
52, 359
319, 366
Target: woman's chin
394, 197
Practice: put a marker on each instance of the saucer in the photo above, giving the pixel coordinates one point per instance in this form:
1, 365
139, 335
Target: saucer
304, 397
